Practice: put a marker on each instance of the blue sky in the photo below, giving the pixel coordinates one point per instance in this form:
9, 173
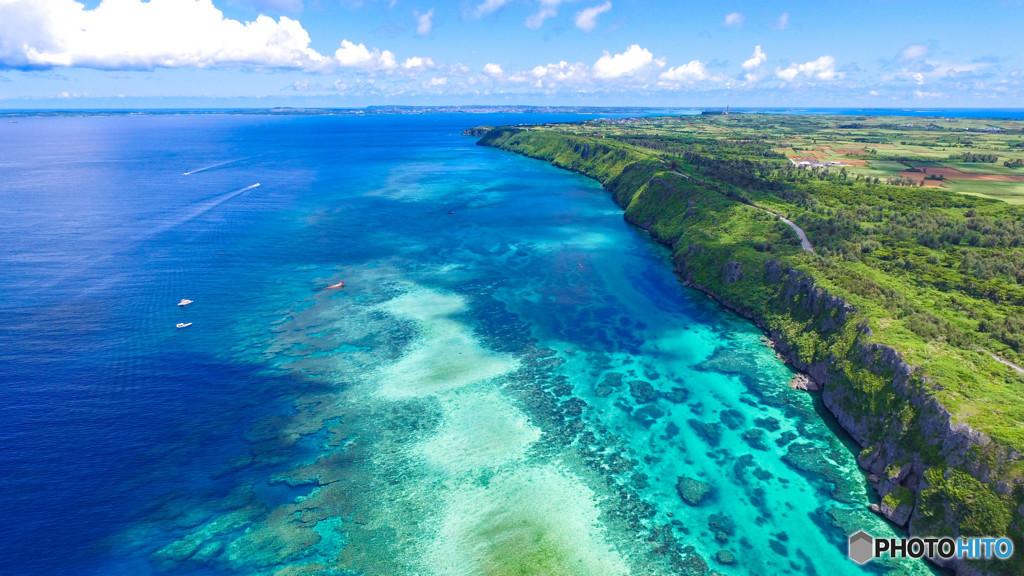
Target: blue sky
212, 53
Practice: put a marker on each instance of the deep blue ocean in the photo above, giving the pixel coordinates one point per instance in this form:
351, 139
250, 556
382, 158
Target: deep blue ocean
511, 380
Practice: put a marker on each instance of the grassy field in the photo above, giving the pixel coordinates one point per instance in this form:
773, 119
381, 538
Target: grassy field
1009, 192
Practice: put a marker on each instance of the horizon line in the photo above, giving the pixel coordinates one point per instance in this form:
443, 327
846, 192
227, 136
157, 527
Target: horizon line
508, 106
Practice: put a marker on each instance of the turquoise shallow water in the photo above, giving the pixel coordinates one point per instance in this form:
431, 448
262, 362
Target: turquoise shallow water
510, 382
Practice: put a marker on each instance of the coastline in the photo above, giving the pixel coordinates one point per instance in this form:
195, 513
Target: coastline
917, 467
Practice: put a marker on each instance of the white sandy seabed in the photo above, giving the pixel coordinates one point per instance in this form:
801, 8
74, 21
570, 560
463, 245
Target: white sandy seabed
527, 517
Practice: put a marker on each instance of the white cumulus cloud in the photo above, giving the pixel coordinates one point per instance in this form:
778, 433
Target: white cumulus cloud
586, 19
418, 63
634, 61
734, 19
352, 55
551, 75
137, 35
756, 59
492, 69
692, 71
425, 22
823, 68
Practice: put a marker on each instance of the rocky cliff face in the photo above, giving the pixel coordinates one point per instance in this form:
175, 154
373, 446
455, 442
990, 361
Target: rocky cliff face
898, 452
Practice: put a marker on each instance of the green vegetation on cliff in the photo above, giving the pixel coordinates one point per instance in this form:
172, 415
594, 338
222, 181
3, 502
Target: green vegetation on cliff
910, 294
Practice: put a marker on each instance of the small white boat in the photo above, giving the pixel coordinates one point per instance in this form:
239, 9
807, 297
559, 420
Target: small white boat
184, 324
184, 302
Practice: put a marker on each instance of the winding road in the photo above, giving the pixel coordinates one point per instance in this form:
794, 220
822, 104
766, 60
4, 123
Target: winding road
804, 242
1003, 361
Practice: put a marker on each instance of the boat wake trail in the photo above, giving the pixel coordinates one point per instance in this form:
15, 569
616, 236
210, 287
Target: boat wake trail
212, 166
199, 210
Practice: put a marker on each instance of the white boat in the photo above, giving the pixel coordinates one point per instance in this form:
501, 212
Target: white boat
184, 302
184, 324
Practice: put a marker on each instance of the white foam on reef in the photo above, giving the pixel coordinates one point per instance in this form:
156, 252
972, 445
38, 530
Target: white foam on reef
445, 355
479, 430
527, 520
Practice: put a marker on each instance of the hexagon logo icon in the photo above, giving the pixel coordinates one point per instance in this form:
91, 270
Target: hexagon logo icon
861, 547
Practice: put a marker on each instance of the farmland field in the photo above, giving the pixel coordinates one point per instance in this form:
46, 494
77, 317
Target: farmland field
956, 153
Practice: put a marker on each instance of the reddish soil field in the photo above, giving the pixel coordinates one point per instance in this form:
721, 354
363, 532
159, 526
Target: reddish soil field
854, 162
919, 177
947, 172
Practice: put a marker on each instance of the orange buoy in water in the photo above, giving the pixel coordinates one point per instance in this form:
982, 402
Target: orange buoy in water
338, 285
